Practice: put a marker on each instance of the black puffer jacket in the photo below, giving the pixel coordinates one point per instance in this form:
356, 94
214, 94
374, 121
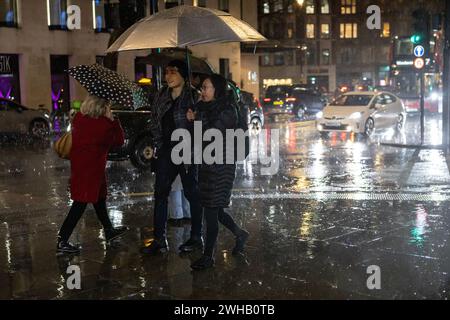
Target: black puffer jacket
216, 180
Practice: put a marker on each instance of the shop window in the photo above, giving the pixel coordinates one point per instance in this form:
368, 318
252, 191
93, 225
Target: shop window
9, 77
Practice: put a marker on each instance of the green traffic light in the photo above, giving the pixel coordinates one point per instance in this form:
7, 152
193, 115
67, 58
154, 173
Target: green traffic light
416, 38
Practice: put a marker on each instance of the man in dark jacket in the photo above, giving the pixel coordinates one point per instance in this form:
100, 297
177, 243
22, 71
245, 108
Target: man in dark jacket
170, 106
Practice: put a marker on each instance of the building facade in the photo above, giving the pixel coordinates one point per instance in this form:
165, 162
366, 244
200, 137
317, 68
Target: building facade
37, 46
327, 43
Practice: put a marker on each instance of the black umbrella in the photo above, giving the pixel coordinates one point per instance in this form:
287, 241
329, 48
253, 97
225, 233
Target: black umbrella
161, 59
110, 85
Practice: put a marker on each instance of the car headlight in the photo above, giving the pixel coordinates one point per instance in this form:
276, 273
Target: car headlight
435, 96
319, 115
355, 116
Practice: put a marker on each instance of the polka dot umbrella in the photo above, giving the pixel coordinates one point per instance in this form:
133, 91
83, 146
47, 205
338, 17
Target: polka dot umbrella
110, 85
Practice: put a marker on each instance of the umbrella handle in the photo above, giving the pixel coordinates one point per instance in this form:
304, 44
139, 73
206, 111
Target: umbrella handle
188, 62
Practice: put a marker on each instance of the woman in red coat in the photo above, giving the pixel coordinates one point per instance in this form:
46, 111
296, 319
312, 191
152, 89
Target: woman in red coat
94, 132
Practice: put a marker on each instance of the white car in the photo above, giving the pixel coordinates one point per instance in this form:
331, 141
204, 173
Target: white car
362, 112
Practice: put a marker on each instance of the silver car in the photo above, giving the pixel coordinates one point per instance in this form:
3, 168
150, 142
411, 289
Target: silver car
17, 119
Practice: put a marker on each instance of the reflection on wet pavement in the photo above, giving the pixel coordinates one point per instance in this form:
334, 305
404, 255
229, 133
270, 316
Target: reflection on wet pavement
336, 206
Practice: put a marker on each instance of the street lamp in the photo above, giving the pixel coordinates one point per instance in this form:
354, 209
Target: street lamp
300, 2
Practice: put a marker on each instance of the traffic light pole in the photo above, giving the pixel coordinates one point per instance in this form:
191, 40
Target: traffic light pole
446, 81
422, 106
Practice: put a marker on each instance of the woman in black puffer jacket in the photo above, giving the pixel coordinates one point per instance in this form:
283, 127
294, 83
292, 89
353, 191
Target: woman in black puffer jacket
216, 111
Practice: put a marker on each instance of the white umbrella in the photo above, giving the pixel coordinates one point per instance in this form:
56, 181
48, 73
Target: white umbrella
184, 26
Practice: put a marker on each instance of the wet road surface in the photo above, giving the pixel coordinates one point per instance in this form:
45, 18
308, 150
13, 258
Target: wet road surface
336, 206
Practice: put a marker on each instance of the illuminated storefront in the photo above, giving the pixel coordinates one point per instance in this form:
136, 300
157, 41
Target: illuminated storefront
9, 77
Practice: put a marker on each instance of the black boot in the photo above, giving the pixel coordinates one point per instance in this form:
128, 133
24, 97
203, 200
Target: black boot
157, 246
204, 262
114, 233
241, 239
192, 244
65, 247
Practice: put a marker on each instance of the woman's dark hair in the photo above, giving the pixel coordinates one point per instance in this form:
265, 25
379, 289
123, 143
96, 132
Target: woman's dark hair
220, 85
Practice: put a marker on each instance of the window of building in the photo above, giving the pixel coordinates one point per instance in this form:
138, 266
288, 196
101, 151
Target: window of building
311, 57
325, 30
265, 59
278, 6
310, 7
386, 32
348, 6
310, 30
57, 14
348, 30
266, 7
60, 82
279, 59
99, 12
326, 56
324, 7
224, 5
289, 58
8, 13
290, 30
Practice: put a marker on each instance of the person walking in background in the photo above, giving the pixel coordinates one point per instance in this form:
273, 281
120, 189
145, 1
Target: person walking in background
94, 132
216, 111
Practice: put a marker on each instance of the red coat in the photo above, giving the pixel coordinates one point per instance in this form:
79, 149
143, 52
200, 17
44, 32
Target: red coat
91, 141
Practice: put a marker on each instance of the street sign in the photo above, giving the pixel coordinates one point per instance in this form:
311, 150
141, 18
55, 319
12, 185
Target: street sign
419, 63
419, 51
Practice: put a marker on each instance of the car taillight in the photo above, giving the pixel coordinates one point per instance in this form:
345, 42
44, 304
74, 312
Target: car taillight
291, 99
258, 103
267, 99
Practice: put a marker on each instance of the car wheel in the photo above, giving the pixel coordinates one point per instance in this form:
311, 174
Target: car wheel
255, 125
369, 127
39, 129
142, 154
400, 122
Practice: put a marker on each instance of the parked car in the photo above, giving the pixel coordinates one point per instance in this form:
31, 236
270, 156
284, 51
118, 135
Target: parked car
138, 138
362, 112
18, 119
298, 100
305, 101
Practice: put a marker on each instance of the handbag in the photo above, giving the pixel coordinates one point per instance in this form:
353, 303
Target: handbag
63, 145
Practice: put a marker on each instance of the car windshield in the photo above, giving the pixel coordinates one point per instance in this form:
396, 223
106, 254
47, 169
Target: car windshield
352, 100
277, 90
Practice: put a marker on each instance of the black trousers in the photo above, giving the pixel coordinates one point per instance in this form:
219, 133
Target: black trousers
166, 173
75, 214
213, 216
